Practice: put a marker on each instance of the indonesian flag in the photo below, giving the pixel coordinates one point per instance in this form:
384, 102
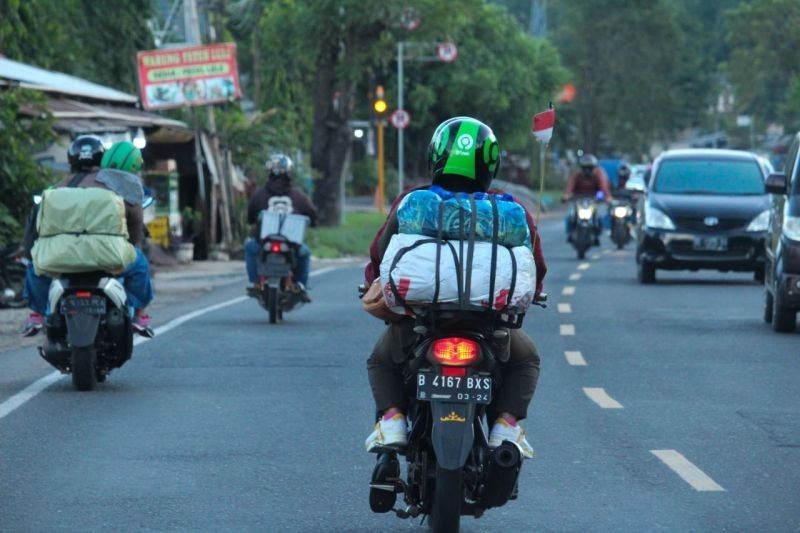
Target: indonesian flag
542, 126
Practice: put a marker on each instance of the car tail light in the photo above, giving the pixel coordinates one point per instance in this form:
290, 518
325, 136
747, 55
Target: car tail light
455, 351
83, 294
275, 247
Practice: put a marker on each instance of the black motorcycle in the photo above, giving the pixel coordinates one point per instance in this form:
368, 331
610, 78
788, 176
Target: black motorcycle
585, 223
12, 276
277, 292
451, 376
621, 213
89, 330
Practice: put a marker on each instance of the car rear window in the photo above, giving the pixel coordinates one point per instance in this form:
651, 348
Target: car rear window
709, 176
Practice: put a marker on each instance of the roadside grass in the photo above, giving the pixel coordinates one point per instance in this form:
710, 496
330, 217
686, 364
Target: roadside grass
350, 239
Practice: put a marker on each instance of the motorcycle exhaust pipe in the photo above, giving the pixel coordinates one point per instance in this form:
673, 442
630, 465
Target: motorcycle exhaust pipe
502, 472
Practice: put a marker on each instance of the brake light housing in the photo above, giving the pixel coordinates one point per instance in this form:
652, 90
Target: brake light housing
455, 351
276, 247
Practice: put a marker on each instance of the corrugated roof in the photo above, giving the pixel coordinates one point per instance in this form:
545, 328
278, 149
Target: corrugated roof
56, 82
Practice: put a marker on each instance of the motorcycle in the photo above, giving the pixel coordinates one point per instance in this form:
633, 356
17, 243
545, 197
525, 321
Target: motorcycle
12, 276
451, 376
621, 222
585, 225
89, 329
277, 292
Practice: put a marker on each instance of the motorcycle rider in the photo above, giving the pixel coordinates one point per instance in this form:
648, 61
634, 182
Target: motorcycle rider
519, 362
86, 156
279, 194
586, 183
623, 173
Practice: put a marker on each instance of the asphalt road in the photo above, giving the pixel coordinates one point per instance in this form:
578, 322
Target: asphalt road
684, 417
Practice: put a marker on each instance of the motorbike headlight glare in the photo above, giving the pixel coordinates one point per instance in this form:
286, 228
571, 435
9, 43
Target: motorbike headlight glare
791, 228
621, 211
760, 223
656, 219
584, 213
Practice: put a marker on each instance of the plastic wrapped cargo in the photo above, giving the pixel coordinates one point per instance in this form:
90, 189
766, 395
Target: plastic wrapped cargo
409, 265
419, 214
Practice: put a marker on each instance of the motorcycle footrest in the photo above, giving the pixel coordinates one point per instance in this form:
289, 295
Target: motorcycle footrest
400, 450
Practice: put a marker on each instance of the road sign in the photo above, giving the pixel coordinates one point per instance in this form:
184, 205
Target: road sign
400, 119
447, 52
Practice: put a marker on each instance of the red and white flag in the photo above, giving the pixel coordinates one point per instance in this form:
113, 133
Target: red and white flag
542, 126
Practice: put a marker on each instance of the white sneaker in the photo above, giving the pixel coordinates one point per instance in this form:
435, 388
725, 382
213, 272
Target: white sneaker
392, 432
502, 431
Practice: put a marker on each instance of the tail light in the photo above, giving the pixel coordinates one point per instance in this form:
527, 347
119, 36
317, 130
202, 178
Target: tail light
83, 294
455, 351
275, 247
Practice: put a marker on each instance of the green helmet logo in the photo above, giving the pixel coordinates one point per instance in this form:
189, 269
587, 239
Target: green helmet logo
465, 142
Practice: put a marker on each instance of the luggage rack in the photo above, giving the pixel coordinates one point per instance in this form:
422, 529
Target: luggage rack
456, 313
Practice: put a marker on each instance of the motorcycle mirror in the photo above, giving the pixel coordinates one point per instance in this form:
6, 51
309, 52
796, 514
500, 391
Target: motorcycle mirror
37, 199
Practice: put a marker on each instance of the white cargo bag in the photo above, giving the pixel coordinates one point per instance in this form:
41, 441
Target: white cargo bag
414, 274
292, 227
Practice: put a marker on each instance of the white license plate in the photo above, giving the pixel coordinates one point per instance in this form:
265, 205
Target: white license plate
467, 389
711, 244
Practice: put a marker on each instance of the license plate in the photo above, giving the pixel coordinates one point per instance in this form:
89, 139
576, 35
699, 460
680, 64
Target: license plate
711, 244
94, 305
467, 389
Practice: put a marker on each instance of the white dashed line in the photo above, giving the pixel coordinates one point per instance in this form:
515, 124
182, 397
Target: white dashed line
687, 470
568, 290
574, 277
564, 308
606, 252
584, 266
567, 329
599, 396
595, 257
575, 358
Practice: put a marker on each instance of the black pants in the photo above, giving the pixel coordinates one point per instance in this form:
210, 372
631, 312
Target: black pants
518, 365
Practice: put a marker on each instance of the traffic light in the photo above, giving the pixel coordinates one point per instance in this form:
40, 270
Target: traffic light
379, 104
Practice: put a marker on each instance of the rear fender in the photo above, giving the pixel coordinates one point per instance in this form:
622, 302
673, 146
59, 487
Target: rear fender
453, 434
82, 329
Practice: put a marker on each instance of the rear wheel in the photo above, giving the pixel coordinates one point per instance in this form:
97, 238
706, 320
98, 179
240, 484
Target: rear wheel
272, 303
84, 375
581, 254
768, 306
783, 318
758, 274
447, 497
646, 272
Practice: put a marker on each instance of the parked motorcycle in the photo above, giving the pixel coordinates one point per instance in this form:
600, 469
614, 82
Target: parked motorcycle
621, 213
585, 225
277, 292
451, 376
12, 276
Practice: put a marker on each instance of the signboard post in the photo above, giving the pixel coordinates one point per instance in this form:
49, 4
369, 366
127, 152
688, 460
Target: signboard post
181, 77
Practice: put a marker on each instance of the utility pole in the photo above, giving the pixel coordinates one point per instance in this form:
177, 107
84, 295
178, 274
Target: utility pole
381, 183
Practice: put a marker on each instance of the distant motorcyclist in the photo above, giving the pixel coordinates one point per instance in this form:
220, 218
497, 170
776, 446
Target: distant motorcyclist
586, 183
278, 193
623, 174
86, 156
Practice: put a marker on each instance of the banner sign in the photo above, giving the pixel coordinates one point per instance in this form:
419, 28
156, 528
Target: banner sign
180, 77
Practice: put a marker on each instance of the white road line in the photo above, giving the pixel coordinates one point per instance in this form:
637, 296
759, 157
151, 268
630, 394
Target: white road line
568, 290
594, 257
599, 396
574, 277
584, 266
606, 252
19, 399
567, 329
687, 470
575, 358
564, 308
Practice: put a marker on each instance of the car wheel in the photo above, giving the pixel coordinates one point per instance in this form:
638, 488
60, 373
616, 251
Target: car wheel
783, 318
768, 306
646, 272
758, 275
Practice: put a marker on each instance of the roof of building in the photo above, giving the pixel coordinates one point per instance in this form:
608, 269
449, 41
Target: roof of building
40, 79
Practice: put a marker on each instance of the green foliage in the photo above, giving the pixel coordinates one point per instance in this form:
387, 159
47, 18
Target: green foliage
20, 176
350, 239
763, 65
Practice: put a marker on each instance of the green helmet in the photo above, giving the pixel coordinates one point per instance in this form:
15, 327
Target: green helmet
463, 155
123, 155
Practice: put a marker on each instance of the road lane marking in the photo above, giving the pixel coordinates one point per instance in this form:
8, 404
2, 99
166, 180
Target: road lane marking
595, 257
564, 308
575, 358
567, 329
584, 266
574, 277
17, 400
599, 396
606, 252
568, 290
687, 470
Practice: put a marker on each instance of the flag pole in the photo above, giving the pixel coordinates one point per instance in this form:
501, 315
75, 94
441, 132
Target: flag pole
543, 143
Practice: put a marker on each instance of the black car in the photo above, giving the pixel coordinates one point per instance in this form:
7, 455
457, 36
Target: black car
783, 245
703, 209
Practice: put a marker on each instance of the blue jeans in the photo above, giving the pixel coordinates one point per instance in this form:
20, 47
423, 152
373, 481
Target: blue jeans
136, 280
252, 248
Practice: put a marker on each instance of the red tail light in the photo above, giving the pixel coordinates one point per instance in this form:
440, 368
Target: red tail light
83, 294
454, 351
275, 247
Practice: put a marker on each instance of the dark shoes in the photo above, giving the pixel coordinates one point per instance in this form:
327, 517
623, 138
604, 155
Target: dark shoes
383, 488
